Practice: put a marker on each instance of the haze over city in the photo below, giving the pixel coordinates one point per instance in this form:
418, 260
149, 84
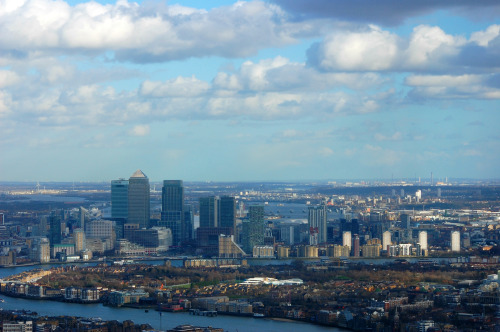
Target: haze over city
248, 90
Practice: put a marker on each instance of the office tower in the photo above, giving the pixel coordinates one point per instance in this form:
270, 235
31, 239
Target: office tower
347, 239
317, 224
418, 195
253, 228
355, 247
172, 209
405, 221
386, 240
209, 211
138, 199
354, 226
119, 199
422, 240
439, 192
2, 220
188, 222
402, 193
55, 227
227, 212
455, 241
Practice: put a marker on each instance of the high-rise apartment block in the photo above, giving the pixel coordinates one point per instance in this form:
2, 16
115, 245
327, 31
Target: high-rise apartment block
386, 240
253, 228
317, 224
347, 239
455, 241
422, 240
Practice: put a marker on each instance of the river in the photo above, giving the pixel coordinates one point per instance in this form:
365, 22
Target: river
139, 316
163, 322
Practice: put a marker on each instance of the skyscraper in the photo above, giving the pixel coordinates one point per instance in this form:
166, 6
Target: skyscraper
355, 247
253, 228
188, 222
405, 221
172, 209
138, 199
227, 212
79, 238
317, 224
347, 239
422, 239
455, 241
55, 234
386, 240
209, 211
119, 199
218, 212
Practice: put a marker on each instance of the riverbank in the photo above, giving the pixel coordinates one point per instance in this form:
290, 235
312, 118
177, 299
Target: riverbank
161, 322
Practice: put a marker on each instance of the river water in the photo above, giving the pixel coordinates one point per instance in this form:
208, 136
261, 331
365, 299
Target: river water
139, 316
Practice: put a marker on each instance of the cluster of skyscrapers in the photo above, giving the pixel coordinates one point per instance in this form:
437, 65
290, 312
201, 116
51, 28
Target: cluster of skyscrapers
130, 205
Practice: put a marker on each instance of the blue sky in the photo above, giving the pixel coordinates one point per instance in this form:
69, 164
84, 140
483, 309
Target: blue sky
249, 90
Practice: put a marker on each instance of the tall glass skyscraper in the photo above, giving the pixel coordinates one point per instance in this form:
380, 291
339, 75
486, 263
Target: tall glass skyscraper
227, 212
218, 212
119, 198
55, 220
139, 200
172, 209
209, 211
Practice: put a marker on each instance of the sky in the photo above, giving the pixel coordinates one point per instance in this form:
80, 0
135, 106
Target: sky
272, 90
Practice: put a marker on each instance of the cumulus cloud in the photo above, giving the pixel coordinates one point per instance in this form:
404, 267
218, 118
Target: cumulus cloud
373, 49
280, 74
385, 12
143, 33
452, 86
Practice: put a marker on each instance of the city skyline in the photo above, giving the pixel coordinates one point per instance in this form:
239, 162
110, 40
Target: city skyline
249, 90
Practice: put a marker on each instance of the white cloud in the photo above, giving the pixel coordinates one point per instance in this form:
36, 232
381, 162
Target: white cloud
7, 78
178, 87
373, 49
427, 48
428, 45
443, 80
140, 130
483, 38
280, 74
452, 87
146, 32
